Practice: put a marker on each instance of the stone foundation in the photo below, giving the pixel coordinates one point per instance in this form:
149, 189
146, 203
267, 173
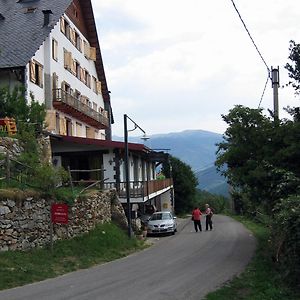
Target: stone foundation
25, 224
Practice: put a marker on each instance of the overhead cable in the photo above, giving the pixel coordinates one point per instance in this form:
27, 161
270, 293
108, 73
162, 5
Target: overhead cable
251, 37
263, 93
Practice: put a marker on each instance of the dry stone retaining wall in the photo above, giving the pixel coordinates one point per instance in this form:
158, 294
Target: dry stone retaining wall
25, 224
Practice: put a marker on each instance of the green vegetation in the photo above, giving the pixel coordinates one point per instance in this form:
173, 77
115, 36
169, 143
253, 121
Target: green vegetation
29, 170
105, 243
185, 184
263, 168
218, 203
261, 279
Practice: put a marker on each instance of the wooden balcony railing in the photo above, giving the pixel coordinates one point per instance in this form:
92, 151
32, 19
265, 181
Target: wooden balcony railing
67, 103
140, 189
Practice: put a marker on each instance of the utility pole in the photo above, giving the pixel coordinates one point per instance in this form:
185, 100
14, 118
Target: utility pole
275, 85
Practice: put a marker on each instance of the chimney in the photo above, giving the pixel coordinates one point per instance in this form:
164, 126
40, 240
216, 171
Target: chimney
47, 14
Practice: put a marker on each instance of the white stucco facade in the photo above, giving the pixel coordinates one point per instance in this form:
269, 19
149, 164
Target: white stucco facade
56, 75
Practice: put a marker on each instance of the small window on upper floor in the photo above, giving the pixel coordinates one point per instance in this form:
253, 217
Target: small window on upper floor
94, 84
36, 73
87, 79
54, 49
78, 42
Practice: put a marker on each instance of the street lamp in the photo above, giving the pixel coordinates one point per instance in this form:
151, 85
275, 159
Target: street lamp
127, 177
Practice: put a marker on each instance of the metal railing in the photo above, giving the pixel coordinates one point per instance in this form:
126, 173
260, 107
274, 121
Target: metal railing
62, 96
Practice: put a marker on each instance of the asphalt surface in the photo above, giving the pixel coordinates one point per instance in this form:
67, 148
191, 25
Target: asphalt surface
185, 266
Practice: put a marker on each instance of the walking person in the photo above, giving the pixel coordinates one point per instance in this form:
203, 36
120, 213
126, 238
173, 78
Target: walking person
208, 218
196, 215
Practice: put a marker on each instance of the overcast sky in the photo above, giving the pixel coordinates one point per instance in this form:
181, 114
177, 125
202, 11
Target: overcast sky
175, 65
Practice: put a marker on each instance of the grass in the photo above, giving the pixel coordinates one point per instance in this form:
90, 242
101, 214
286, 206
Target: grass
105, 243
261, 280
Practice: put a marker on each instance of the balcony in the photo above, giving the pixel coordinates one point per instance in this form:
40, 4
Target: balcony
70, 105
143, 190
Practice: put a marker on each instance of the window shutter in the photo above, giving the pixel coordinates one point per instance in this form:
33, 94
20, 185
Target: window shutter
73, 36
88, 80
68, 59
82, 74
92, 55
63, 125
32, 72
41, 75
98, 88
54, 81
54, 49
62, 25
86, 49
73, 69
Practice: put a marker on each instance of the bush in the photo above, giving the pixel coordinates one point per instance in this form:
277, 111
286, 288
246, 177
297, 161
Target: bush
286, 237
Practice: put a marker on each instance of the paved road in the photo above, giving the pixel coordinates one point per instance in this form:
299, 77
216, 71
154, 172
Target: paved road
185, 266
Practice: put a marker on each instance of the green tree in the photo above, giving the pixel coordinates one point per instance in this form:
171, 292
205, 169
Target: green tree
29, 116
30, 169
260, 158
217, 202
185, 183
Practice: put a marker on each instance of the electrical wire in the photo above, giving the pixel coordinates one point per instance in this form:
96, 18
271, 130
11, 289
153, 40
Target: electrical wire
263, 93
259, 53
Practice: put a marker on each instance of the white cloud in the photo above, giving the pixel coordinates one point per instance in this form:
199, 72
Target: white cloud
174, 65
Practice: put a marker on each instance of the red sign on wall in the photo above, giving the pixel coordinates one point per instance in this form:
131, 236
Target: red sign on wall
59, 213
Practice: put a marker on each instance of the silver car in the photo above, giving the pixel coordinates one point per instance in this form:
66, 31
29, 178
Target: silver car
162, 222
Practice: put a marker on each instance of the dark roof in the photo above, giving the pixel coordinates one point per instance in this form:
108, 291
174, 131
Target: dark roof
22, 32
87, 144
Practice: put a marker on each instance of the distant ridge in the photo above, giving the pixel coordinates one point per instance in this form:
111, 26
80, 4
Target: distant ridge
196, 148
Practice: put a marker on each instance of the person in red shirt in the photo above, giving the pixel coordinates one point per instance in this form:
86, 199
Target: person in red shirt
196, 215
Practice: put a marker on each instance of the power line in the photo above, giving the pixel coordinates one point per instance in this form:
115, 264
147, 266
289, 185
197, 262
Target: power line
259, 53
251, 37
263, 93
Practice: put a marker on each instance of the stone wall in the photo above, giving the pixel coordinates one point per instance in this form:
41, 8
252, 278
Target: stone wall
25, 224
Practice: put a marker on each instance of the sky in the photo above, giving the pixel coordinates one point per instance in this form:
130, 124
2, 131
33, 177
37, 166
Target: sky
179, 65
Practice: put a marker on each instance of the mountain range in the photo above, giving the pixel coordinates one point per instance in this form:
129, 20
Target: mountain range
197, 148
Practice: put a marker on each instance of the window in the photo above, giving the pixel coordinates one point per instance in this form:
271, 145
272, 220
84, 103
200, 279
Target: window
78, 70
66, 87
68, 127
54, 49
57, 121
36, 73
77, 95
94, 83
94, 106
78, 42
87, 79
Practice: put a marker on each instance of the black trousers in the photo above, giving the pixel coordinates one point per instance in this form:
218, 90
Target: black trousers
197, 224
208, 222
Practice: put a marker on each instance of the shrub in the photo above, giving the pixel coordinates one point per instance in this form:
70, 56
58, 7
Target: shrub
286, 237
